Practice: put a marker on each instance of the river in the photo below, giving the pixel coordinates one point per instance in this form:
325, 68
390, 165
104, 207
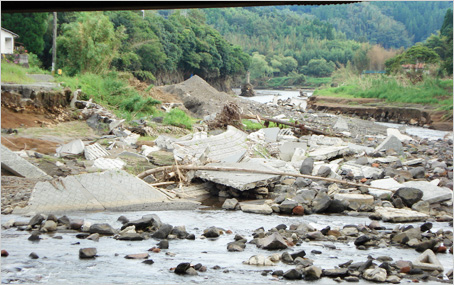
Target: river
59, 261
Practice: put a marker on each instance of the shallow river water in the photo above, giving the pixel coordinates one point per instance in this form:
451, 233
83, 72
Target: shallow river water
59, 261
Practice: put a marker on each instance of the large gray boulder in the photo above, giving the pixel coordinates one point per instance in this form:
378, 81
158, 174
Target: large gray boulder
408, 195
102, 229
307, 166
273, 242
163, 231
321, 202
287, 206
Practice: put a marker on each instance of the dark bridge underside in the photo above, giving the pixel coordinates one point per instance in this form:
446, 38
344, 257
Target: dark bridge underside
62, 6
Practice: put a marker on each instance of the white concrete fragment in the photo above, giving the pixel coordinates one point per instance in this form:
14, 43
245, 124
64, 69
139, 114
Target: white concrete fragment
341, 125
394, 215
398, 135
19, 166
109, 163
323, 153
256, 209
94, 151
72, 148
428, 261
287, 149
391, 142
358, 198
146, 150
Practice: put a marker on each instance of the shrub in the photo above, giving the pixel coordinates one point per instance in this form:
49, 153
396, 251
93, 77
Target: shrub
178, 118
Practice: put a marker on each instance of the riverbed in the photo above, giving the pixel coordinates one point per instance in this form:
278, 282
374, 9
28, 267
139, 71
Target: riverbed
59, 261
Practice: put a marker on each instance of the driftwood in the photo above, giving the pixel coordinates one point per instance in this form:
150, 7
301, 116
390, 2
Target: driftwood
299, 126
215, 168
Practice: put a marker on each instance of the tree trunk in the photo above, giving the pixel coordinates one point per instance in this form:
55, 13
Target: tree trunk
54, 44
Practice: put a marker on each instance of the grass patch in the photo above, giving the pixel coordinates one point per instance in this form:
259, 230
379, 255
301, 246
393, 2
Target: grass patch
178, 118
65, 130
113, 91
254, 126
13, 73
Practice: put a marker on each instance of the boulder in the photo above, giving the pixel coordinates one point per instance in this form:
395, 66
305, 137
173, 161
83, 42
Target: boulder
293, 274
211, 232
163, 231
324, 171
89, 252
428, 261
312, 273
256, 209
103, 229
182, 267
259, 260
50, 226
236, 246
144, 223
273, 242
321, 202
36, 220
130, 236
287, 206
137, 256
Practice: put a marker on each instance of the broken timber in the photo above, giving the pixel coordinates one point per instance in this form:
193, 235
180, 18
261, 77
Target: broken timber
299, 126
215, 168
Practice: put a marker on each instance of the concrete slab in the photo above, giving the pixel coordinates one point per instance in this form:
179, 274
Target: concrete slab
358, 198
110, 190
359, 148
322, 140
394, 215
109, 163
431, 193
362, 170
217, 148
19, 166
94, 151
323, 153
237, 179
271, 134
72, 148
287, 149
388, 183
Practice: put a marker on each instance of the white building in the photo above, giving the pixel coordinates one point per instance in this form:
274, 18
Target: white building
7, 44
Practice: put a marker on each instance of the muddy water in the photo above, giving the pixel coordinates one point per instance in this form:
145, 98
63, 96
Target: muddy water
59, 261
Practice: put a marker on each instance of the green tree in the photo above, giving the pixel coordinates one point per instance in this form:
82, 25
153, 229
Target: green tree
319, 68
259, 66
89, 44
30, 27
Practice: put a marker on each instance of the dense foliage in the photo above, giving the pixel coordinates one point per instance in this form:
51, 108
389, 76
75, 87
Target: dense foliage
30, 27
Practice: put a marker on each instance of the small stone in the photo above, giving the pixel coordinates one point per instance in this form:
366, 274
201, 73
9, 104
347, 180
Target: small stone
182, 267
33, 255
362, 240
89, 252
298, 211
192, 272
277, 273
34, 236
137, 256
103, 229
4, 253
293, 274
148, 261
94, 237
351, 279
163, 244
230, 204
123, 220
36, 220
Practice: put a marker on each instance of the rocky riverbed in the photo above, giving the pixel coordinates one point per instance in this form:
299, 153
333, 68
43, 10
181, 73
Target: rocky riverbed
363, 203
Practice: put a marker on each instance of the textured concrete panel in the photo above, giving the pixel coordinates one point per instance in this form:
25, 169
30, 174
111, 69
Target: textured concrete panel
110, 190
237, 179
19, 166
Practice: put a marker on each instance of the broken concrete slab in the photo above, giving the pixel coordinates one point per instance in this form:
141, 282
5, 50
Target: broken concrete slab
109, 163
428, 261
388, 183
324, 153
354, 148
263, 209
391, 142
239, 179
316, 140
146, 150
114, 190
362, 170
398, 134
222, 147
19, 166
358, 198
394, 215
271, 134
287, 149
431, 193
94, 151
72, 148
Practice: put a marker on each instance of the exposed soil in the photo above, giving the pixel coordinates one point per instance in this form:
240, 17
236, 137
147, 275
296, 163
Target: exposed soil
12, 119
15, 143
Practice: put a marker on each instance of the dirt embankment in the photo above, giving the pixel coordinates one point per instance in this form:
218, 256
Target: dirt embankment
366, 108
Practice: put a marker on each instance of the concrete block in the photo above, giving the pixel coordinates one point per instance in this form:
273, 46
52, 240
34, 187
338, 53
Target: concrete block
109, 163
394, 215
428, 261
362, 170
340, 125
391, 142
359, 148
271, 134
19, 166
315, 140
287, 149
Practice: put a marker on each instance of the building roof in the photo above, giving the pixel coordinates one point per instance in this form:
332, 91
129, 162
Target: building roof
8, 31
